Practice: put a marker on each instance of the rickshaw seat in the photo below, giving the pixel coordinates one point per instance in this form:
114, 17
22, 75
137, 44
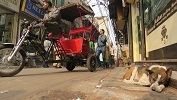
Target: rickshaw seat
53, 36
72, 46
57, 36
81, 30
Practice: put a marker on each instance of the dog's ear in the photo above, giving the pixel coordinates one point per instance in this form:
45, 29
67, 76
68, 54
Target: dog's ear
149, 71
169, 72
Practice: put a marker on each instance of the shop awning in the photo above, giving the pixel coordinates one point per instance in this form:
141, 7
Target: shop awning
72, 10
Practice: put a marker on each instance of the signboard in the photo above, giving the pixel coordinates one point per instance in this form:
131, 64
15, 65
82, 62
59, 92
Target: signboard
11, 4
32, 9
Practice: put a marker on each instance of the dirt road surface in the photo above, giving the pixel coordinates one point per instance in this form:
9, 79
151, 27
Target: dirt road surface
80, 84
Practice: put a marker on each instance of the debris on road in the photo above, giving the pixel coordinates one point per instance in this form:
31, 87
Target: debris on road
5, 91
98, 86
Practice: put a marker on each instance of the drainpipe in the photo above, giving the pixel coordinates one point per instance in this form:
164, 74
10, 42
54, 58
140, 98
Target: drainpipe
142, 31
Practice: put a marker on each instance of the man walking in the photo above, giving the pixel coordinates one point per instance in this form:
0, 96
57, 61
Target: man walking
101, 48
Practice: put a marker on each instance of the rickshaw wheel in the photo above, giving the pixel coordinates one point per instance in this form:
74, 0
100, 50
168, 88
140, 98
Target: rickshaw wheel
91, 63
70, 66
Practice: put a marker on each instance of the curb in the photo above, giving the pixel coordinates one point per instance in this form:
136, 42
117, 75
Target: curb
173, 80
173, 83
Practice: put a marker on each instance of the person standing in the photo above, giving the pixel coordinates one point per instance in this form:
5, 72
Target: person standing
95, 45
91, 45
101, 48
57, 57
111, 57
47, 44
107, 55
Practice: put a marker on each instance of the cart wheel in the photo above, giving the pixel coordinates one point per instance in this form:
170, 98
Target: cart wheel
91, 63
70, 66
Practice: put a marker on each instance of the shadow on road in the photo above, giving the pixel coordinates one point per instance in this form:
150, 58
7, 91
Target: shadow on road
52, 73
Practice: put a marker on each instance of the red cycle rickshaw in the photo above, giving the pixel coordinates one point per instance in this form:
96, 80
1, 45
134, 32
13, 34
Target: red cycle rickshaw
73, 51
76, 47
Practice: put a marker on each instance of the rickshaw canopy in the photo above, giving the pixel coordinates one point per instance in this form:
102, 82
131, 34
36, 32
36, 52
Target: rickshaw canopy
73, 10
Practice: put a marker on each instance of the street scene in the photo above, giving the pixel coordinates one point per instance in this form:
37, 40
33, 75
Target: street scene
88, 50
59, 84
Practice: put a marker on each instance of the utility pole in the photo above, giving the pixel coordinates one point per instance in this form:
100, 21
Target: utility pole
130, 36
142, 31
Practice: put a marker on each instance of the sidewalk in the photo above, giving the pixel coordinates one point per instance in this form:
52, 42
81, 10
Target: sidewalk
173, 81
114, 85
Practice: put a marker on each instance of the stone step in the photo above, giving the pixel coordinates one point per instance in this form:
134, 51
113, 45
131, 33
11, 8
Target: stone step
166, 62
158, 61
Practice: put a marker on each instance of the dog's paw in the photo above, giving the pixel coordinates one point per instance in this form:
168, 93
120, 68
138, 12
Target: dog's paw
126, 81
160, 88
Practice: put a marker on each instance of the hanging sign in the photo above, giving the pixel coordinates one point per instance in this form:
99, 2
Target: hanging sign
32, 9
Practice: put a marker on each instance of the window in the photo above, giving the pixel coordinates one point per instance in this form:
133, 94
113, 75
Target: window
6, 26
152, 9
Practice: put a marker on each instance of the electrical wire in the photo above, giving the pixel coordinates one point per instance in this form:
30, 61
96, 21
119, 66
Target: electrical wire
88, 2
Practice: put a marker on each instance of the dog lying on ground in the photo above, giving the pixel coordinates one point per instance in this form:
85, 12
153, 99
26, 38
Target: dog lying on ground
155, 76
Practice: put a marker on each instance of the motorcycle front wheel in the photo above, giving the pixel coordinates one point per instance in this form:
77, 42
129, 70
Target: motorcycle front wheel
15, 65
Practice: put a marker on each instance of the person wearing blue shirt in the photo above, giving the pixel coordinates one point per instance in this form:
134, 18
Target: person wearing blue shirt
101, 47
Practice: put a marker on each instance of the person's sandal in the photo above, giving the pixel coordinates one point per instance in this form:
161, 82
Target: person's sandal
57, 67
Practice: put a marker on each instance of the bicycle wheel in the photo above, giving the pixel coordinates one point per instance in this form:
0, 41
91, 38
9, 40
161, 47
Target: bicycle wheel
12, 67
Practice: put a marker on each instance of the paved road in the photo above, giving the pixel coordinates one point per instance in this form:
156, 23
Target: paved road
59, 84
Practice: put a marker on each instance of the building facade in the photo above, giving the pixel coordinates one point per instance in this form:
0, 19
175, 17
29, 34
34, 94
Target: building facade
136, 33
118, 11
151, 29
159, 19
9, 20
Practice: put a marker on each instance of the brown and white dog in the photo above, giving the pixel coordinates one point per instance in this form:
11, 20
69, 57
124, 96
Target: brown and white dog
155, 76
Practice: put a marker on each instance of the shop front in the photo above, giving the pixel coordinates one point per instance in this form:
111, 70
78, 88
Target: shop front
9, 20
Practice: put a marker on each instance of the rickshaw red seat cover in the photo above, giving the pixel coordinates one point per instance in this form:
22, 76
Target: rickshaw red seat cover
72, 46
81, 30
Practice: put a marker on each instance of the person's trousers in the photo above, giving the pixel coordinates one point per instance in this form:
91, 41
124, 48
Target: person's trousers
100, 50
56, 58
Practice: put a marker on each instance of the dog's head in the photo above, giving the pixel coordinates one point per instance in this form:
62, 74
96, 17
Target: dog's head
159, 76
